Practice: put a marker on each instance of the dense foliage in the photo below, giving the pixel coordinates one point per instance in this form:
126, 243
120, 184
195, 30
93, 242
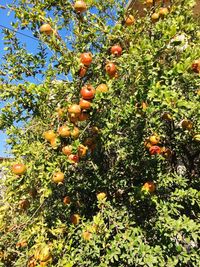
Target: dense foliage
131, 162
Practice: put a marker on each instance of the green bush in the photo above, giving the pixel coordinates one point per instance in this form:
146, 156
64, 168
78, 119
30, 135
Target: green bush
133, 199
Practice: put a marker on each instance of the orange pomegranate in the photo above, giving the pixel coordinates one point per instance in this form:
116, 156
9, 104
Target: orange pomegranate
80, 6
163, 11
55, 142
75, 133
58, 177
149, 187
155, 16
67, 150
111, 69
82, 151
154, 139
74, 110
46, 29
64, 131
49, 135
116, 50
86, 59
85, 104
19, 169
129, 20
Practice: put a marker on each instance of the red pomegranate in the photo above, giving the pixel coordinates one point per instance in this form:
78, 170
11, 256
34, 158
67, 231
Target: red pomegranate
111, 69
86, 58
153, 150
116, 50
87, 92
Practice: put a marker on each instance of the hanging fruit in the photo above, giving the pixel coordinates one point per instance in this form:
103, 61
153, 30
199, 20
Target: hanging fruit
87, 92
116, 50
80, 6
46, 29
86, 59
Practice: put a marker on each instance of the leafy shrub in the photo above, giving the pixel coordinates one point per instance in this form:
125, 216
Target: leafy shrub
130, 192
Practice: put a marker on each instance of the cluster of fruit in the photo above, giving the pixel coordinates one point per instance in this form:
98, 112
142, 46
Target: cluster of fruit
69, 131
151, 144
80, 112
161, 13
110, 68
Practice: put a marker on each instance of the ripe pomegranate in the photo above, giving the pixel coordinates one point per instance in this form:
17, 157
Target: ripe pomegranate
19, 168
116, 50
58, 177
153, 150
85, 104
55, 142
82, 151
149, 187
80, 6
84, 116
73, 158
46, 29
66, 200
154, 139
102, 88
74, 110
129, 20
155, 16
163, 11
86, 59
87, 92
75, 133
111, 69
67, 150
64, 131
49, 135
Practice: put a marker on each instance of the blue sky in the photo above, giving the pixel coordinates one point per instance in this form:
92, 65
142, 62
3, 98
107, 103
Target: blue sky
6, 21
31, 47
